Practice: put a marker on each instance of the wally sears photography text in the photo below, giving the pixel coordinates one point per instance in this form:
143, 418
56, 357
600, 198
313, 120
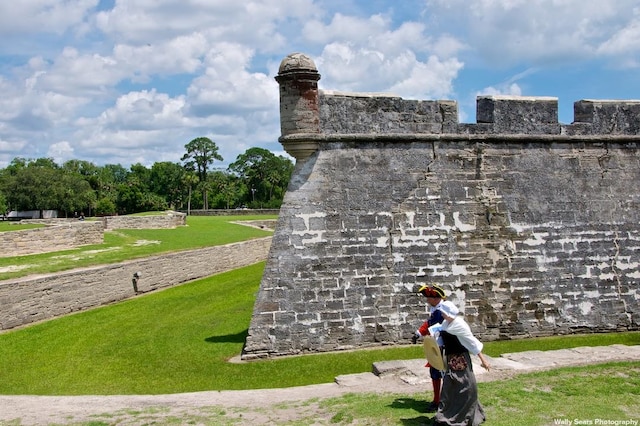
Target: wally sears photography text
572, 422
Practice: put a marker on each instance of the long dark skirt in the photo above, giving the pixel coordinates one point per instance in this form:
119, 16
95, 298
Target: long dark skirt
459, 405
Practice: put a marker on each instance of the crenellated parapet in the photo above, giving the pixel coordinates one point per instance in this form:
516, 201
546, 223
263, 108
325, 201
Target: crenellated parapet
531, 226
310, 116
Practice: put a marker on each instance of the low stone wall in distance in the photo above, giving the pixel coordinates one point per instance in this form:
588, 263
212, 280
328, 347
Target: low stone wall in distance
31, 299
231, 212
167, 221
66, 234
56, 236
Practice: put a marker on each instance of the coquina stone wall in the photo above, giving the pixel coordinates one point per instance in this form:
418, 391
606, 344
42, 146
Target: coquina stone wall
55, 236
42, 297
531, 226
169, 220
65, 234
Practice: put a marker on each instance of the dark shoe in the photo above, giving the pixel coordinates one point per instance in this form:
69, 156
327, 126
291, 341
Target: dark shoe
432, 407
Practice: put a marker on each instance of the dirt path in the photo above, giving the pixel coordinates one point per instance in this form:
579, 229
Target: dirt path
279, 406
251, 407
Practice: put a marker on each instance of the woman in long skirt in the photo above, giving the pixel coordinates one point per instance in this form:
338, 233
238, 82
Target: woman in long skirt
459, 405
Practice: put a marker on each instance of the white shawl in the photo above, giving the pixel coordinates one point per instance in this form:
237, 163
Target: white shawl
459, 328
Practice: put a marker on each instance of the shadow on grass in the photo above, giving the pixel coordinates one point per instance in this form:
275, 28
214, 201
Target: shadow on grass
418, 405
418, 421
413, 404
228, 338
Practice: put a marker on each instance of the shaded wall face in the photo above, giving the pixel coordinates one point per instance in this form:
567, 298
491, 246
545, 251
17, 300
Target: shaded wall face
528, 239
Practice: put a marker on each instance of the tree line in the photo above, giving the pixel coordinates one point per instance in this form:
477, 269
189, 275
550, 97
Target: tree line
257, 179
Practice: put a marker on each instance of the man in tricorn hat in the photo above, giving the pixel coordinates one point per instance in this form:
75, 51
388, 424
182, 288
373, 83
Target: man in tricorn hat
435, 295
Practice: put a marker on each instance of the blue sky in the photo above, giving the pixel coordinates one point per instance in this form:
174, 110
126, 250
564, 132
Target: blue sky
133, 81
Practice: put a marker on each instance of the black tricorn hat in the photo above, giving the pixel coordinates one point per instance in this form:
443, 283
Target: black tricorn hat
432, 290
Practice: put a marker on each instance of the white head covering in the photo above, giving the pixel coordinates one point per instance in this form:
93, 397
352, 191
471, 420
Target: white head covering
448, 308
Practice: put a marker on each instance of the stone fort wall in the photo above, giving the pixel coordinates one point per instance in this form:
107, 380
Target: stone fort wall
531, 226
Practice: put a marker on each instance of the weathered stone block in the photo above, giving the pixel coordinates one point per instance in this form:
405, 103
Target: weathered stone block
519, 114
608, 116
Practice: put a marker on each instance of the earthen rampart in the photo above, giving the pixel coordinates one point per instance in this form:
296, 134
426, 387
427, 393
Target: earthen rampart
37, 298
56, 235
66, 234
532, 226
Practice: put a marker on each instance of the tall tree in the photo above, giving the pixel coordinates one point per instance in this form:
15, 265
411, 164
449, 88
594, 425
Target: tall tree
86, 169
265, 175
229, 189
110, 177
201, 152
189, 179
166, 180
42, 185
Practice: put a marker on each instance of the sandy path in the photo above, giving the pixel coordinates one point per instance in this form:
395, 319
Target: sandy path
278, 406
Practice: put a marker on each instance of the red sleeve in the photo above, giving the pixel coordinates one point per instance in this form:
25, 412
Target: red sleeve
424, 329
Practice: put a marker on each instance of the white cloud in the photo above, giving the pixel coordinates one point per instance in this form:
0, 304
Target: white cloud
61, 152
345, 28
520, 31
251, 22
625, 43
402, 73
227, 87
42, 16
368, 54
504, 89
136, 81
91, 74
143, 110
182, 54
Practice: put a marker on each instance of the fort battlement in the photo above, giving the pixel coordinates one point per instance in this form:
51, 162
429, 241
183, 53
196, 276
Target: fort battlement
530, 225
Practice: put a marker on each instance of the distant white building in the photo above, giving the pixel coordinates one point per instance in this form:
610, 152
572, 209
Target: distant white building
32, 214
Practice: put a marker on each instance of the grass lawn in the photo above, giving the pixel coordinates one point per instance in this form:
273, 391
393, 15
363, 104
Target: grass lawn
6, 226
181, 339
583, 395
120, 245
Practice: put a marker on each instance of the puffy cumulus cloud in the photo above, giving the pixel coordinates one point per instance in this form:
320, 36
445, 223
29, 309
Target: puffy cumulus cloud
141, 21
447, 46
25, 107
10, 101
345, 28
141, 126
8, 148
510, 86
504, 89
624, 44
48, 16
61, 152
369, 54
142, 110
402, 73
147, 126
376, 32
129, 146
227, 87
76, 73
431, 79
182, 54
516, 31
